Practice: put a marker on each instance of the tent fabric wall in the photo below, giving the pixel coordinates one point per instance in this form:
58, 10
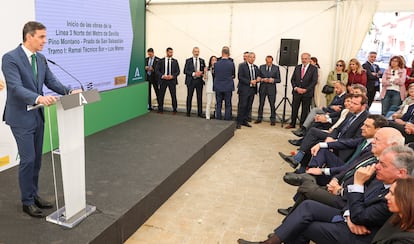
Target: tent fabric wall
259, 26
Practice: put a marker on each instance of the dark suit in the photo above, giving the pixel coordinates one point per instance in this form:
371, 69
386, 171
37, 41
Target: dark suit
372, 81
314, 221
308, 82
193, 82
27, 126
223, 85
150, 77
269, 90
407, 117
246, 91
161, 70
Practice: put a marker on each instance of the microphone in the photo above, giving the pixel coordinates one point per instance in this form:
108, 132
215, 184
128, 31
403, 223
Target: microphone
60, 67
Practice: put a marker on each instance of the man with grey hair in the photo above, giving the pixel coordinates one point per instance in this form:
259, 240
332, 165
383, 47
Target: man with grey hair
364, 214
194, 70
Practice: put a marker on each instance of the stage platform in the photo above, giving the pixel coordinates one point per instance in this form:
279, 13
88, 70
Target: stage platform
131, 170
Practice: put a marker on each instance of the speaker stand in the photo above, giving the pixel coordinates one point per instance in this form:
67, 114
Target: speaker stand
285, 99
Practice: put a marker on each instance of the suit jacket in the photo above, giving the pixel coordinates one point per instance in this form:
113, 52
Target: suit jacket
160, 70
23, 89
244, 78
273, 73
309, 80
224, 73
353, 131
189, 70
337, 100
371, 80
409, 115
151, 78
368, 209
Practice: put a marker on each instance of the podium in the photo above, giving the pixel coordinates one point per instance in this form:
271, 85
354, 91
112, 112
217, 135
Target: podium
70, 119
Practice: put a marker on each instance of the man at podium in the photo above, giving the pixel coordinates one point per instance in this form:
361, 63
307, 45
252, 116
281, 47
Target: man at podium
26, 71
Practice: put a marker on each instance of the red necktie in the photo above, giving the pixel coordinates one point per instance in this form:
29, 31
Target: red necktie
303, 71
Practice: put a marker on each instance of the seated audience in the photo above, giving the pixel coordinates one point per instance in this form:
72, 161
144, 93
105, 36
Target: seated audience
404, 106
360, 220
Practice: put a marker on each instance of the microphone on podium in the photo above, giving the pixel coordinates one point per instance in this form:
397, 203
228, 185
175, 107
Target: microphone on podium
60, 67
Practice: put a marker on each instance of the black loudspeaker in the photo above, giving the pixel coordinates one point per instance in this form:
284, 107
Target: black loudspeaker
289, 52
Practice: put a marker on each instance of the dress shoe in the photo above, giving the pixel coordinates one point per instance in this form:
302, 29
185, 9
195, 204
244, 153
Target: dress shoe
299, 132
246, 124
238, 126
272, 123
242, 241
249, 120
294, 142
258, 121
289, 127
289, 159
284, 211
201, 116
33, 211
150, 109
41, 203
297, 179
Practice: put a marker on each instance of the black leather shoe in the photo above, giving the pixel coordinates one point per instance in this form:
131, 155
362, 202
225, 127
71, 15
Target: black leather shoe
249, 120
272, 123
297, 179
33, 211
299, 133
284, 211
289, 159
294, 142
238, 126
246, 124
258, 121
41, 203
242, 241
201, 116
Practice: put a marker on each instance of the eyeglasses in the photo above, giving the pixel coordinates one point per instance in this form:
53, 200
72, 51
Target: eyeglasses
339, 65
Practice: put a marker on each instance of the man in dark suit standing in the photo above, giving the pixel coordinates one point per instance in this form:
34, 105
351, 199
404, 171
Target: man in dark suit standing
167, 71
373, 75
223, 85
194, 70
26, 71
150, 64
247, 88
365, 213
304, 80
270, 75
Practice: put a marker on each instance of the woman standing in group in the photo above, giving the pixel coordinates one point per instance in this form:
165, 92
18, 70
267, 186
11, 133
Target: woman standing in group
399, 229
356, 75
393, 85
334, 76
317, 93
209, 78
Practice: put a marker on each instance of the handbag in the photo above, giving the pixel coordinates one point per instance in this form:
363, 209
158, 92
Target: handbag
327, 89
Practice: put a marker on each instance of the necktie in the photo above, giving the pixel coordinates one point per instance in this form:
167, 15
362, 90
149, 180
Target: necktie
346, 126
373, 68
196, 65
303, 71
169, 66
34, 68
251, 72
150, 63
268, 69
357, 151
351, 172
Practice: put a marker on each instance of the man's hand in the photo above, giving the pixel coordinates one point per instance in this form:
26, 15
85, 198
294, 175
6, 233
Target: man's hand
46, 100
333, 186
400, 121
409, 128
357, 229
363, 174
336, 107
329, 139
314, 171
76, 91
315, 149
